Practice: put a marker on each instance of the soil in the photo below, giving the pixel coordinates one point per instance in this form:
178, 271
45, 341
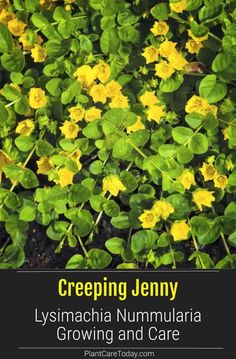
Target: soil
40, 250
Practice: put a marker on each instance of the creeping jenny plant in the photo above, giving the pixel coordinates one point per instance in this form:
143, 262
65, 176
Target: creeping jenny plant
123, 112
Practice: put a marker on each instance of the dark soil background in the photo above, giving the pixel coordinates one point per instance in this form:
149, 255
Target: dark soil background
40, 250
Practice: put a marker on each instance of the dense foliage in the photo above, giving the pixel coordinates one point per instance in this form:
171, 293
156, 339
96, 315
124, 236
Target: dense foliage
122, 110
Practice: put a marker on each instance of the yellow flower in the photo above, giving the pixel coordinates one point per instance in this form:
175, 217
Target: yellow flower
113, 89
46, 4
151, 54
44, 165
65, 177
4, 4
102, 71
99, 93
229, 165
120, 101
76, 157
138, 125
85, 75
211, 109
4, 160
208, 171
69, 129
160, 28
76, 113
167, 48
38, 53
220, 181
37, 98
179, 7
149, 98
26, 43
162, 209
187, 179
155, 113
177, 60
26, 127
113, 185
225, 132
197, 39
92, 114
180, 230
6, 16
196, 104
203, 197
193, 46
16, 27
148, 218
164, 70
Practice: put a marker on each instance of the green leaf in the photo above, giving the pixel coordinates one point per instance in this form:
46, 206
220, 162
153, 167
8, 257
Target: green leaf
232, 239
31, 5
212, 89
3, 113
79, 193
6, 41
60, 14
83, 221
14, 62
14, 255
181, 134
96, 167
115, 245
98, 259
22, 106
27, 213
143, 240
212, 235
181, 204
199, 225
111, 208
77, 261
172, 83
24, 143
44, 148
57, 230
184, 155
122, 221
12, 201
167, 150
122, 149
28, 179
129, 181
39, 20
194, 119
86, 44
53, 86
198, 30
198, 144
97, 202
160, 11
127, 266
110, 41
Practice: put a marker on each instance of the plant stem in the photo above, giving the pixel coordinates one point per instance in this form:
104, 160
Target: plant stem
215, 37
24, 165
173, 256
12, 103
225, 243
228, 123
83, 247
197, 250
4, 246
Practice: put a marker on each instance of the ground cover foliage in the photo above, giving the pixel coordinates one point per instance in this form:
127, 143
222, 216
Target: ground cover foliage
120, 112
